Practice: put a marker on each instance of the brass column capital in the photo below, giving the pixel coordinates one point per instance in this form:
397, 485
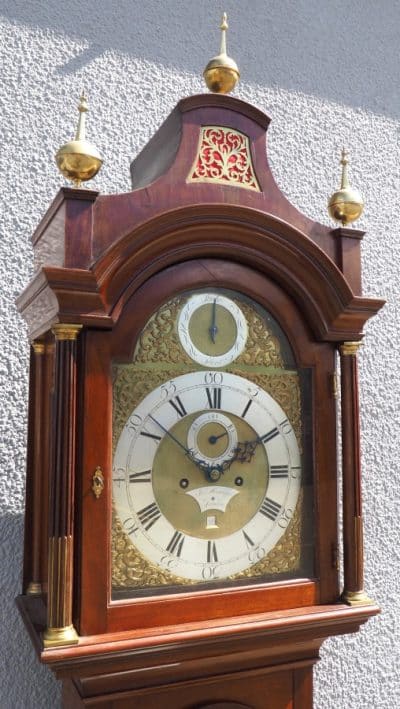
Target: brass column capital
350, 348
66, 331
38, 347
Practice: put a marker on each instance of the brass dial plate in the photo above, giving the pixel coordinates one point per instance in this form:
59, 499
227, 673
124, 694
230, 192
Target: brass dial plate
159, 357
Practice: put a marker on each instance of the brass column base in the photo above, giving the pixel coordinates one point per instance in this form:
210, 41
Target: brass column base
357, 598
34, 589
56, 637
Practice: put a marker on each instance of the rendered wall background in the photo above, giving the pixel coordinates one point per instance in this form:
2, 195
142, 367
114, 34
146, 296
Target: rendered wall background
326, 74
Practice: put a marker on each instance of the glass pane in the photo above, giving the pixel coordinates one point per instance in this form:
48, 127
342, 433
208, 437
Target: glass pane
212, 477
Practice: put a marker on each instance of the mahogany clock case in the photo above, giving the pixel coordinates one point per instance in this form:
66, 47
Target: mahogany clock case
103, 348
105, 265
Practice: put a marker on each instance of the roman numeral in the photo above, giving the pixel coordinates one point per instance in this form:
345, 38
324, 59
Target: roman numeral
279, 471
285, 426
214, 397
130, 525
246, 408
150, 435
149, 515
176, 543
247, 539
178, 406
143, 477
211, 552
270, 435
270, 509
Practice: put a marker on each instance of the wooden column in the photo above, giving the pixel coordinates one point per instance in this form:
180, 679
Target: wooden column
34, 485
353, 592
46, 455
60, 630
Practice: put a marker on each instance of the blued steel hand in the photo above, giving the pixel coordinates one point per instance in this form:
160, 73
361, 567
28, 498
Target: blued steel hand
213, 327
243, 453
209, 470
187, 451
214, 439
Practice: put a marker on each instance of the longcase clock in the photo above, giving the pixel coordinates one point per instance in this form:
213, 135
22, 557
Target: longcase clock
182, 542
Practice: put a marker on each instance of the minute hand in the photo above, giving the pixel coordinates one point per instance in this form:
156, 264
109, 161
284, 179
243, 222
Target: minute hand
187, 451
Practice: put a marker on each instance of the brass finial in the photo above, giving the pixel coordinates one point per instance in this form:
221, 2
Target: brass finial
79, 160
221, 73
346, 204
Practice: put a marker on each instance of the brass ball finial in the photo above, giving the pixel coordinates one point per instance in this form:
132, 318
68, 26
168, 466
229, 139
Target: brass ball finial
79, 160
346, 204
221, 73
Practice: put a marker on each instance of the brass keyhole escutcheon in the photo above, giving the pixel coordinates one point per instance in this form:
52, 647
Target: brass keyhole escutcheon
98, 482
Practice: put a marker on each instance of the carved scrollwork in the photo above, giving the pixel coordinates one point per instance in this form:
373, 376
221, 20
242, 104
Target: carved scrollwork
159, 340
262, 347
224, 157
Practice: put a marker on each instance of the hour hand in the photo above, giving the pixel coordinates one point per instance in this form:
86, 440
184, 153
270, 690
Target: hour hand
243, 453
213, 327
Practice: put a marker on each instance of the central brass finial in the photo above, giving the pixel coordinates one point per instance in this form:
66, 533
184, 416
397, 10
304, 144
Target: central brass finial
79, 160
221, 73
346, 204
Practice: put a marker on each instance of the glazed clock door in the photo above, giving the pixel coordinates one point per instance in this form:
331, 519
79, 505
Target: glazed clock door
213, 496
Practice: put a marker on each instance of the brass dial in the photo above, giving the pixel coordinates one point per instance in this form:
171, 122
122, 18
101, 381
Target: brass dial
206, 484
208, 510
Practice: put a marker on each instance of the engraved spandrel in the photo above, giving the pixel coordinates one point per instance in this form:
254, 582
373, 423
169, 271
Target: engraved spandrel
159, 340
262, 347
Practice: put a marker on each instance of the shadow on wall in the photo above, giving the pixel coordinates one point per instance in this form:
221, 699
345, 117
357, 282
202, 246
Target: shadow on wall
18, 658
340, 51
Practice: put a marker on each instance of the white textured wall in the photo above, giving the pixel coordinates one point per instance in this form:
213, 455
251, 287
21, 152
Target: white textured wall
326, 72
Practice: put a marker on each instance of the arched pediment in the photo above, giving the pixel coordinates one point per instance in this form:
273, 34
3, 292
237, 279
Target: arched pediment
202, 188
261, 241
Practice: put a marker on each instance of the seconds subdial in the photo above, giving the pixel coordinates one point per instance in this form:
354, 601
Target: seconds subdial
212, 329
213, 438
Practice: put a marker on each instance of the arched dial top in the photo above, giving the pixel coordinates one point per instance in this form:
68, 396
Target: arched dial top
207, 431
206, 475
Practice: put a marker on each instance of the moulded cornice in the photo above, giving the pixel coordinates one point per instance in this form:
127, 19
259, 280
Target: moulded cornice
243, 235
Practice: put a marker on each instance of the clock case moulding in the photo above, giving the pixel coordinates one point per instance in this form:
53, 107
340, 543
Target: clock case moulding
94, 255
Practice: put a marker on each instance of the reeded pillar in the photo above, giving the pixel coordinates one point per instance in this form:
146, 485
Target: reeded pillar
60, 630
353, 592
35, 485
